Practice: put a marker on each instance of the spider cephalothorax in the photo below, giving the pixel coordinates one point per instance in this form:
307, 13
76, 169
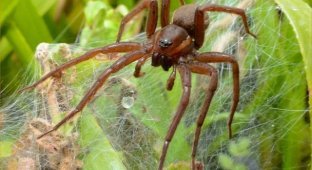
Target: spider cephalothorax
173, 45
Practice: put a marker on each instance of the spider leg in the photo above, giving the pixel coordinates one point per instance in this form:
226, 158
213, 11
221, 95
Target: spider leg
200, 20
170, 81
118, 65
137, 72
206, 69
151, 20
184, 100
216, 57
120, 47
165, 12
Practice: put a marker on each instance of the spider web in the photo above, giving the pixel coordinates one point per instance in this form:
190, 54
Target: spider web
124, 126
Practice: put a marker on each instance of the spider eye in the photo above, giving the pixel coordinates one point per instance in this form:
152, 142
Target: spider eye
164, 43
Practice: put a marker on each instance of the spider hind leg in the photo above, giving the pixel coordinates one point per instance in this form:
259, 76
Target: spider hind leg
184, 100
213, 84
217, 57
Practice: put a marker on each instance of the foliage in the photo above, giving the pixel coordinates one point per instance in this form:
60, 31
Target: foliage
262, 131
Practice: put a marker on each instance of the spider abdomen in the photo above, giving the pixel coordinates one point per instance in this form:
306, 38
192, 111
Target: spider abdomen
185, 18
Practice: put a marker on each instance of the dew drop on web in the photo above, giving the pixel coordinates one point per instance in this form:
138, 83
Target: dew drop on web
127, 102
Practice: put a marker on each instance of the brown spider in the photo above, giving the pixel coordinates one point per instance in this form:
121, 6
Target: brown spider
173, 45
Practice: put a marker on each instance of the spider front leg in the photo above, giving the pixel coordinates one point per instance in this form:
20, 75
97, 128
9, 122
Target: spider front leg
200, 20
216, 57
113, 48
118, 65
151, 19
205, 69
184, 100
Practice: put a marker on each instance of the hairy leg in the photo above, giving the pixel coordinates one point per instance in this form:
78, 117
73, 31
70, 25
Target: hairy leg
118, 65
186, 83
200, 20
113, 48
208, 70
216, 57
151, 20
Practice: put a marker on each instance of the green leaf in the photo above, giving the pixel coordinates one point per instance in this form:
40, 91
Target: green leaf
43, 6
239, 167
31, 24
101, 154
6, 8
5, 48
93, 9
240, 148
299, 14
225, 161
182, 165
19, 43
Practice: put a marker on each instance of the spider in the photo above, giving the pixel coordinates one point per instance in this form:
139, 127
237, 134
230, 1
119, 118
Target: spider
174, 46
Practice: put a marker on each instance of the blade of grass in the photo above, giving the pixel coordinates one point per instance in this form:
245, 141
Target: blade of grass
31, 24
293, 141
19, 43
43, 6
299, 14
5, 48
24, 29
6, 7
